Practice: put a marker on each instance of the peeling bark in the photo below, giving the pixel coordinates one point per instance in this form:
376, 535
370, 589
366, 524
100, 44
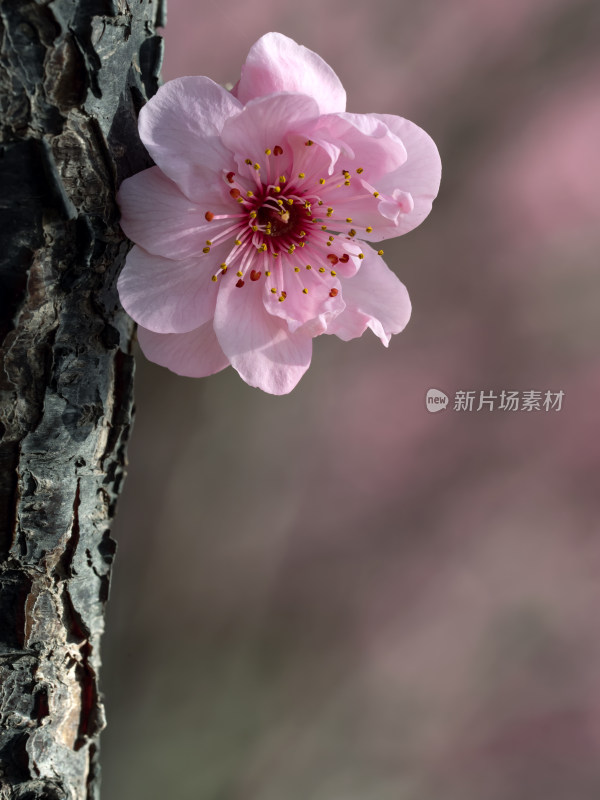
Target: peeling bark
73, 75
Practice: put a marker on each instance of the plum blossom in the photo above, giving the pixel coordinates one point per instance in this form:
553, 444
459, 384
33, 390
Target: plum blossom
251, 232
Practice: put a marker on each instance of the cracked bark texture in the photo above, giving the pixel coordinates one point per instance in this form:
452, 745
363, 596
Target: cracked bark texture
73, 75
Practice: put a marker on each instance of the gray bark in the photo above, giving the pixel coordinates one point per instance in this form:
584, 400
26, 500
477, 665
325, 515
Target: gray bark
73, 75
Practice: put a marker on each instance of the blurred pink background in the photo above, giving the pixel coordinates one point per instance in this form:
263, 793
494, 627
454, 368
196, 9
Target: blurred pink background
336, 595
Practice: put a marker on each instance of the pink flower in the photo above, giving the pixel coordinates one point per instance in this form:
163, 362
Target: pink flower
251, 230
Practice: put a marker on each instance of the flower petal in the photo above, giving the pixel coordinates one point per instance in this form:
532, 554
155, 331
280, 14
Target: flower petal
309, 302
277, 63
196, 353
265, 123
168, 296
258, 345
368, 141
375, 298
419, 176
181, 126
156, 215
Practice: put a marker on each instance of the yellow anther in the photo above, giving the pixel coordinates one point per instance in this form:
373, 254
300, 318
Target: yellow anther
360, 170
302, 233
282, 179
214, 278
240, 199
321, 181
239, 274
301, 175
348, 219
321, 269
320, 202
249, 193
301, 244
268, 272
304, 291
249, 161
208, 242
237, 241
369, 229
257, 167
351, 232
206, 249
329, 208
281, 298
262, 248
290, 201
253, 214
333, 272
308, 143
328, 244
254, 227
276, 189
279, 200
296, 269
380, 252
268, 151
273, 290
346, 183
329, 214
361, 255
291, 249
308, 266
375, 194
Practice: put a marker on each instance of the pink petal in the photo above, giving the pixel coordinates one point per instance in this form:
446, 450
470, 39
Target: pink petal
169, 296
265, 123
366, 140
258, 345
375, 299
419, 176
157, 216
311, 310
278, 64
181, 127
196, 353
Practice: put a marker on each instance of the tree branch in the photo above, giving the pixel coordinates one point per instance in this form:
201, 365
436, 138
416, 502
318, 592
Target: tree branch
73, 76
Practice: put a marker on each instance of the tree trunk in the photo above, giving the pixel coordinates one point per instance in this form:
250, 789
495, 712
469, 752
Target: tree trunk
73, 75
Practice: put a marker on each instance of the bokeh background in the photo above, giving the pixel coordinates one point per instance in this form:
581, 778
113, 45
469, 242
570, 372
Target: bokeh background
336, 595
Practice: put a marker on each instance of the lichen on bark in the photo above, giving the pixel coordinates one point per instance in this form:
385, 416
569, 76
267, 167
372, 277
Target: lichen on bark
73, 76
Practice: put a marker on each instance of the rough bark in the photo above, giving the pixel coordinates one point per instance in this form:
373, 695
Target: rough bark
73, 75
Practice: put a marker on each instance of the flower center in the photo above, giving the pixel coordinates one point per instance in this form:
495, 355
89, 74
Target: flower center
278, 220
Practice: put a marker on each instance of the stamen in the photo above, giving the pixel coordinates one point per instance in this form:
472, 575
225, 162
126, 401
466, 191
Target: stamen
254, 275
333, 293
240, 283
277, 150
209, 216
380, 252
369, 229
304, 291
235, 193
230, 176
